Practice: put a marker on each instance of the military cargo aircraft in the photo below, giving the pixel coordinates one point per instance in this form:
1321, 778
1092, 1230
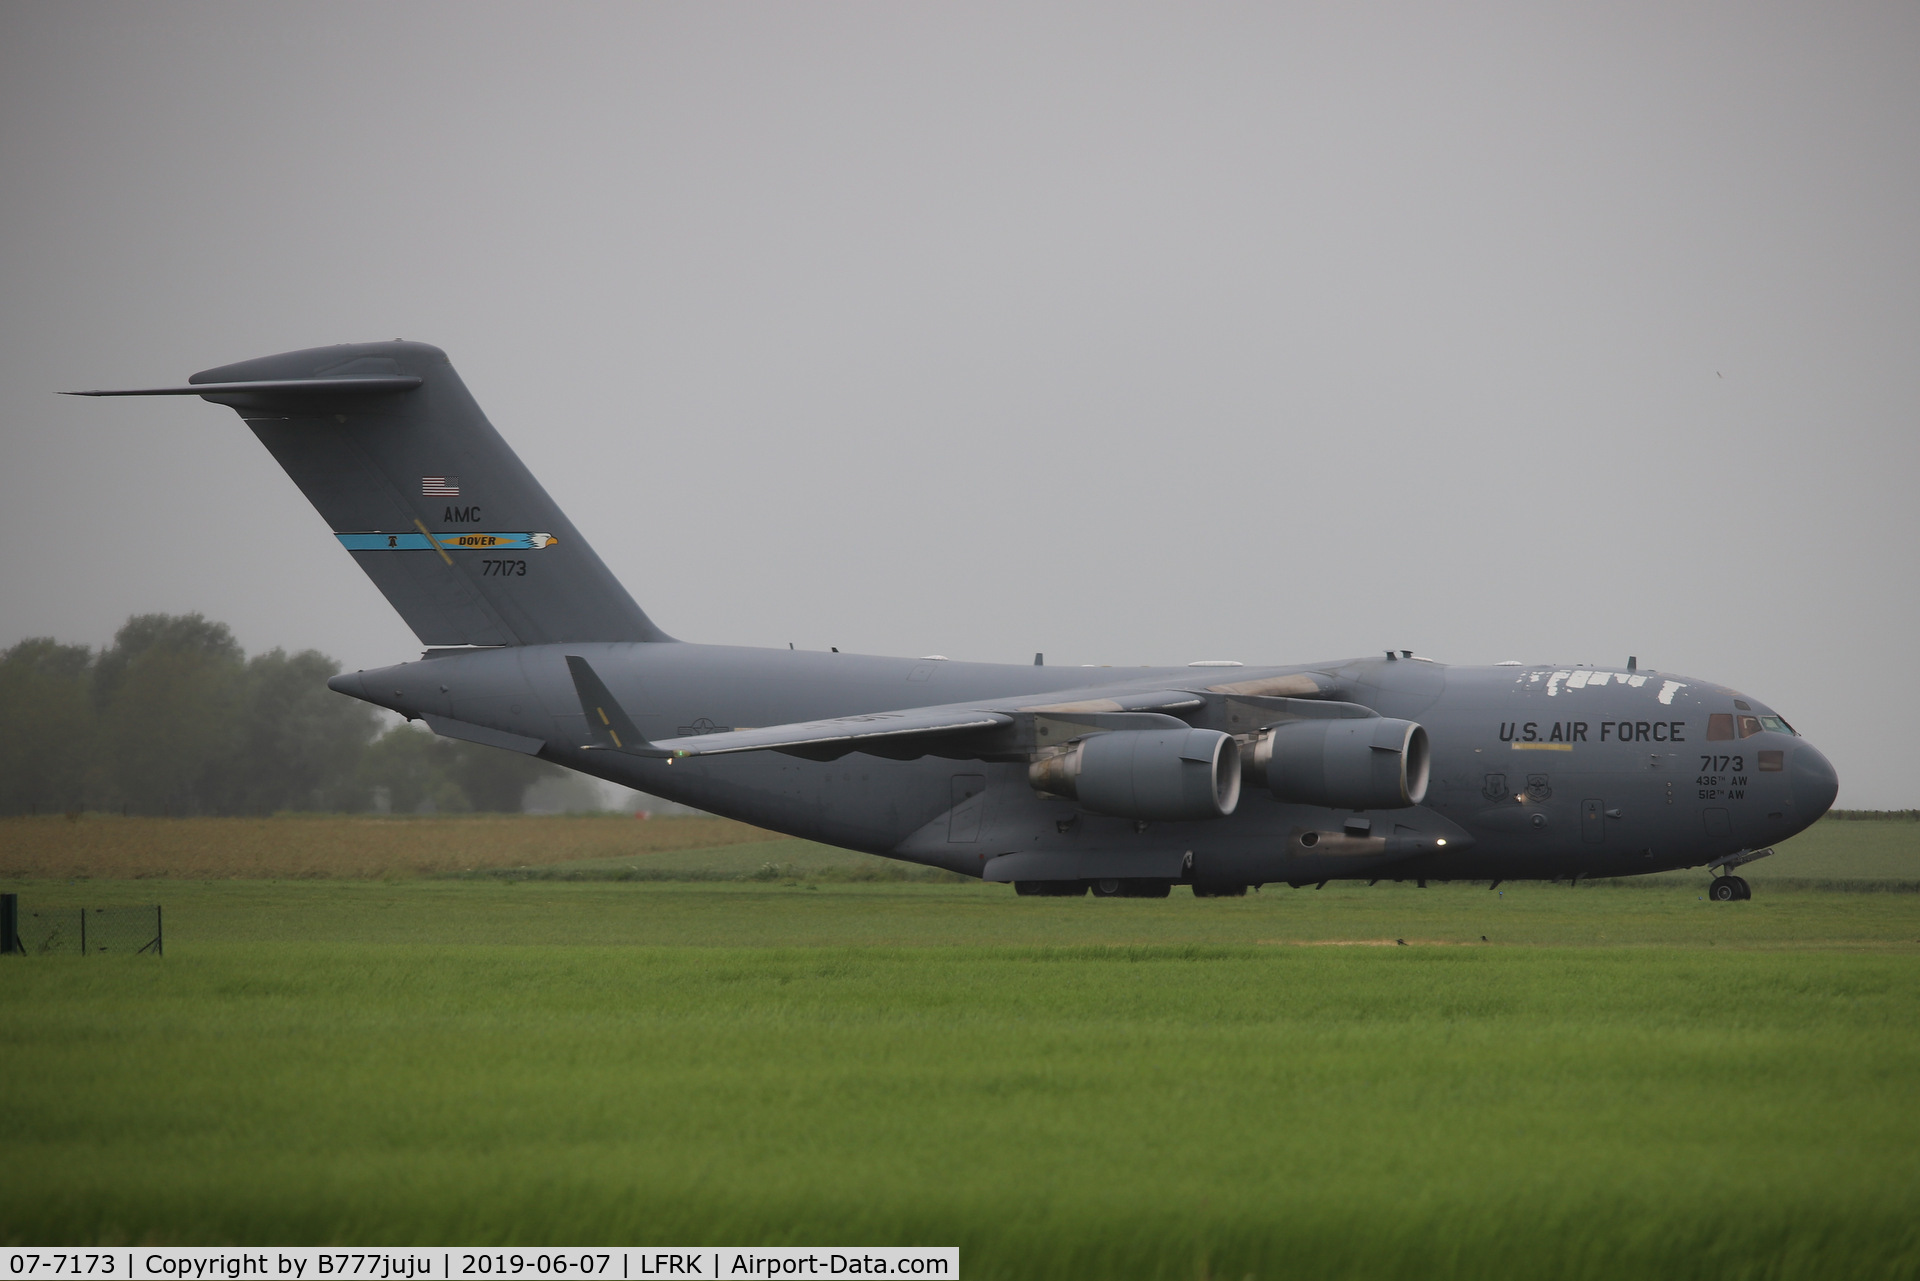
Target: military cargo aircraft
1125, 782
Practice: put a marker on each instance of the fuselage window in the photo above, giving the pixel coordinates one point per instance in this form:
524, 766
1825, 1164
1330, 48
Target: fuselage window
1749, 726
1719, 726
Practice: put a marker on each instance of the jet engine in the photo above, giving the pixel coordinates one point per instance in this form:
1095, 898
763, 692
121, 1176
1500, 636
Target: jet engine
1375, 763
1170, 774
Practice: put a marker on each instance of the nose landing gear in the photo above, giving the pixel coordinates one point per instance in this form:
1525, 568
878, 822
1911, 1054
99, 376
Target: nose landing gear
1729, 889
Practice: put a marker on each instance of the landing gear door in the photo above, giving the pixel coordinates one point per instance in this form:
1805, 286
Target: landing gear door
969, 806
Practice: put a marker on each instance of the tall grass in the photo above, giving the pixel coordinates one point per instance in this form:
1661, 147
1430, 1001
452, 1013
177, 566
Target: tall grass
337, 846
397, 1045
1879, 855
740, 913
1146, 1111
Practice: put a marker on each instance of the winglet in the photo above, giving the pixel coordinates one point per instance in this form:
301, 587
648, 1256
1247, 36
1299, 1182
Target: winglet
607, 722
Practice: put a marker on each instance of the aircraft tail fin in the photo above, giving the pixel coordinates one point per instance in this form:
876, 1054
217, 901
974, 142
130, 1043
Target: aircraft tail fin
387, 443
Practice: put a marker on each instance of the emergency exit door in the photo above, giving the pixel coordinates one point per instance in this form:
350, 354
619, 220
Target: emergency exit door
1593, 822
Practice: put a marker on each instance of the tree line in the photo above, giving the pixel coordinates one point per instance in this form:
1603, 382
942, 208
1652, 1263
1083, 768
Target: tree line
174, 718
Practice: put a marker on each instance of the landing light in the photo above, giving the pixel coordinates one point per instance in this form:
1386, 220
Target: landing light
1441, 841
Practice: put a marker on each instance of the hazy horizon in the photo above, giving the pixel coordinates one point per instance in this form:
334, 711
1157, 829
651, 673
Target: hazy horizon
1130, 335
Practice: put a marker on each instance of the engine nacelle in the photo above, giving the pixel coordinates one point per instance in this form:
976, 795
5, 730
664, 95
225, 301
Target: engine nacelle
1375, 763
1170, 774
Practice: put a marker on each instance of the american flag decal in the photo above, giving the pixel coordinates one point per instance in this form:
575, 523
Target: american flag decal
439, 487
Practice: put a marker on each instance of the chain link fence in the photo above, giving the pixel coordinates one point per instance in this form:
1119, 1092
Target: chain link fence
83, 930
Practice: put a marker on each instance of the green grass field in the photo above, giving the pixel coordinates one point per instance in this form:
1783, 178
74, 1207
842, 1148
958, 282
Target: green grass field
1617, 1081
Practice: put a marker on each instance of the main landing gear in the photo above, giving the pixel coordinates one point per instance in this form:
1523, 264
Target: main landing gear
1114, 887
1729, 889
1105, 887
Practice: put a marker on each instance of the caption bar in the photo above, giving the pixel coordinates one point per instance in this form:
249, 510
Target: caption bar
305, 1263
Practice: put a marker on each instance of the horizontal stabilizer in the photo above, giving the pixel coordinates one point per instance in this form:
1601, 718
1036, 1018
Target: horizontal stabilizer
273, 387
447, 727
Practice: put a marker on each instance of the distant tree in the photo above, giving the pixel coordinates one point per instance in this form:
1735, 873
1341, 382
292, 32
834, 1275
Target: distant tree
186, 633
422, 773
495, 780
301, 742
406, 765
169, 692
174, 718
46, 727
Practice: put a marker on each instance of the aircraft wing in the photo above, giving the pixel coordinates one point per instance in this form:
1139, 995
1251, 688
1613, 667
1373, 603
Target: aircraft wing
848, 731
1029, 724
612, 729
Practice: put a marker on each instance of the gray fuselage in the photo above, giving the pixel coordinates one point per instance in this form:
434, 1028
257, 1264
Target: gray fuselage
1537, 772
1043, 776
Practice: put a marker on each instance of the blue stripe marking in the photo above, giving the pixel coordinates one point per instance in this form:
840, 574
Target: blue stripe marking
456, 541
415, 542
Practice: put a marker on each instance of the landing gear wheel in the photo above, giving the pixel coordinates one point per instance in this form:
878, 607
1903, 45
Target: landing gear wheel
1741, 890
1727, 889
1128, 887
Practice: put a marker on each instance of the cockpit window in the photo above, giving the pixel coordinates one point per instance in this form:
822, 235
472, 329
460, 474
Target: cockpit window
1723, 725
1740, 705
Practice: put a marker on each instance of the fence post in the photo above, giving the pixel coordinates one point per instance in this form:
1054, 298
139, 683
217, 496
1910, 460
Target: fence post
10, 924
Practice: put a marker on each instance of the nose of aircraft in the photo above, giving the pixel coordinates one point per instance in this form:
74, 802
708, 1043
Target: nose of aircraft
1814, 782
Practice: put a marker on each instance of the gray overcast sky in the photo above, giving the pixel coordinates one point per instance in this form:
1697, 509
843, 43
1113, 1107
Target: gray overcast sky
1130, 334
